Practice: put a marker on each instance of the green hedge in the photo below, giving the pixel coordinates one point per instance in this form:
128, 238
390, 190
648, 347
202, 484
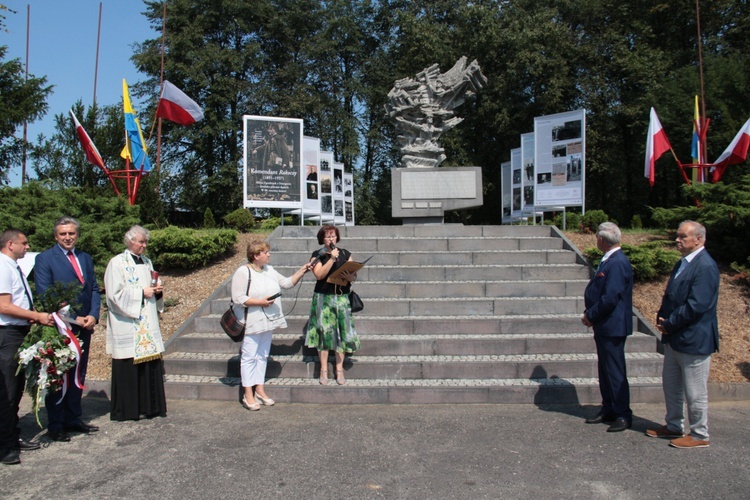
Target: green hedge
649, 260
103, 217
178, 248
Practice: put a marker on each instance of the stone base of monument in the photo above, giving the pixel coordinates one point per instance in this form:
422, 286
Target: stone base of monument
423, 195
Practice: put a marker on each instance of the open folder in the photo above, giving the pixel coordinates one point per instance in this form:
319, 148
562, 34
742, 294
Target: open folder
348, 266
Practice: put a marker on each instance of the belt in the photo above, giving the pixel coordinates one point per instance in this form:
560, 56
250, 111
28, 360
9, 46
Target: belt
22, 328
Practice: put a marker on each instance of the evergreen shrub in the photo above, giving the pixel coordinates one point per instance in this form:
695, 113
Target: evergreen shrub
649, 260
181, 248
592, 219
241, 219
208, 219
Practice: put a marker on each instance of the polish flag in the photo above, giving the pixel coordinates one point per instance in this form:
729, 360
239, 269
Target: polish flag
656, 145
735, 153
92, 154
176, 106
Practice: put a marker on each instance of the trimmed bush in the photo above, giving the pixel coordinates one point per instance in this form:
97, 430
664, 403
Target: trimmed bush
572, 221
241, 219
177, 248
592, 219
636, 222
208, 219
273, 222
649, 260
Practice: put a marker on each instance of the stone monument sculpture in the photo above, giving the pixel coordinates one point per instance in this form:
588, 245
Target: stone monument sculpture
422, 109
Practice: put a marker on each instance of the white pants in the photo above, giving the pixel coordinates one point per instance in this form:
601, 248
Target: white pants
254, 358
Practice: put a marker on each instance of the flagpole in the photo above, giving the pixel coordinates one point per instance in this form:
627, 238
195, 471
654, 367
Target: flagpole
26, 77
701, 136
161, 84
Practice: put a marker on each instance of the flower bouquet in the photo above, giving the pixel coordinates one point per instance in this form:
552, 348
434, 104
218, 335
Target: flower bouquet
48, 353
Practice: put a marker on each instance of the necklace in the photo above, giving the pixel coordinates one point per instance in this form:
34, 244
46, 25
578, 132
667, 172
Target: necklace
257, 270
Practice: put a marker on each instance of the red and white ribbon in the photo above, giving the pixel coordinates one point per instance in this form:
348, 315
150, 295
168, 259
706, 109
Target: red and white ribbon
64, 329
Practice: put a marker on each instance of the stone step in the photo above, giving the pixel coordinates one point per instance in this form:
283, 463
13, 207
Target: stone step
453, 306
419, 258
423, 345
404, 325
539, 390
439, 289
443, 273
419, 367
371, 245
450, 231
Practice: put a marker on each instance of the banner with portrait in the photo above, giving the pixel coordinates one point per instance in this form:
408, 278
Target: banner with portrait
273, 162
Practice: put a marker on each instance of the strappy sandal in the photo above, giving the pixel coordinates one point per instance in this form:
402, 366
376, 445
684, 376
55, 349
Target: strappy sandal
340, 377
323, 377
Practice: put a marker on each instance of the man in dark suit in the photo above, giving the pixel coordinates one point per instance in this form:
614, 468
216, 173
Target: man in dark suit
63, 263
689, 326
609, 310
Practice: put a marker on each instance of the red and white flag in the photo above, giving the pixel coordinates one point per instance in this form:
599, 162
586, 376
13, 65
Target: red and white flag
92, 154
656, 145
735, 153
176, 106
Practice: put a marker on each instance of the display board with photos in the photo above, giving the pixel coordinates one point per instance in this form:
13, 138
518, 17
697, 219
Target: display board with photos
325, 175
272, 162
516, 183
348, 199
338, 193
311, 166
560, 157
527, 170
506, 190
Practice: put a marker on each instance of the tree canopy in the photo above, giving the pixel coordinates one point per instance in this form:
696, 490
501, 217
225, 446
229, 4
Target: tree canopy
333, 62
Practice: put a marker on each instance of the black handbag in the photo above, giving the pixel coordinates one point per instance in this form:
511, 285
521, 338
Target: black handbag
234, 328
355, 302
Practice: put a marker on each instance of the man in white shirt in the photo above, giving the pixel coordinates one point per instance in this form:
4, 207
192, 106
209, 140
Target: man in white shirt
16, 316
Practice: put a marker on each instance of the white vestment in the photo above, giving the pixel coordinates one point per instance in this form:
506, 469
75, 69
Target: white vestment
132, 319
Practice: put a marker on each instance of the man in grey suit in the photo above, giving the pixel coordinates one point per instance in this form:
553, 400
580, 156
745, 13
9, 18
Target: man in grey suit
689, 326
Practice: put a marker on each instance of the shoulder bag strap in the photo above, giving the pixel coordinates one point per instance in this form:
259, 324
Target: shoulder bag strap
249, 278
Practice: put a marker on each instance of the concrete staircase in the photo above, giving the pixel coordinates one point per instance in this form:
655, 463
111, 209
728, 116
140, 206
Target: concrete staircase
453, 314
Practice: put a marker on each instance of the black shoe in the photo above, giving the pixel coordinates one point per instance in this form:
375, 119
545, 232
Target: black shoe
620, 425
81, 427
11, 456
27, 445
601, 418
59, 436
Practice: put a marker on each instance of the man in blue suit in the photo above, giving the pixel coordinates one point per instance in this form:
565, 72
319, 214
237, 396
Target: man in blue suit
63, 263
609, 310
689, 326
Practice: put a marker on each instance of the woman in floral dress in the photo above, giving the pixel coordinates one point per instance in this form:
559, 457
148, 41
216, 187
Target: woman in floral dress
331, 325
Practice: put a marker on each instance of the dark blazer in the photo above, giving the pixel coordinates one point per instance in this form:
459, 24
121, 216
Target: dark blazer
53, 265
609, 297
689, 307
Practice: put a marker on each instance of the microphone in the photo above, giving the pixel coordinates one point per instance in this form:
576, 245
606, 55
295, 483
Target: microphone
321, 253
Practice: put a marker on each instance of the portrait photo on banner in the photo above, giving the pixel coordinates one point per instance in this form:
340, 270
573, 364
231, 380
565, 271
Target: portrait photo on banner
273, 170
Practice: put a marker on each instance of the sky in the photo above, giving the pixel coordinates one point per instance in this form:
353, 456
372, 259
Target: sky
62, 47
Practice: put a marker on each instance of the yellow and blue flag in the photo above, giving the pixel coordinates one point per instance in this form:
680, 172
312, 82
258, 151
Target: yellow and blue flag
135, 146
695, 150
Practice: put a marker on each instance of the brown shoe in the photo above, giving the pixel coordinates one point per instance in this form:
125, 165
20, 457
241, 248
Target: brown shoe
688, 442
664, 433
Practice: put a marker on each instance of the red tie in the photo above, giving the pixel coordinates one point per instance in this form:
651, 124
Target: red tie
74, 262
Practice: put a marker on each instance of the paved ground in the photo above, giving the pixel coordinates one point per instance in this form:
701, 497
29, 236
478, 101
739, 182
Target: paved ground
219, 450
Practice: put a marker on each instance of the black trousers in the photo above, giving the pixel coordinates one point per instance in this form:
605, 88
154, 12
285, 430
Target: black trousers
11, 338
68, 412
613, 377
